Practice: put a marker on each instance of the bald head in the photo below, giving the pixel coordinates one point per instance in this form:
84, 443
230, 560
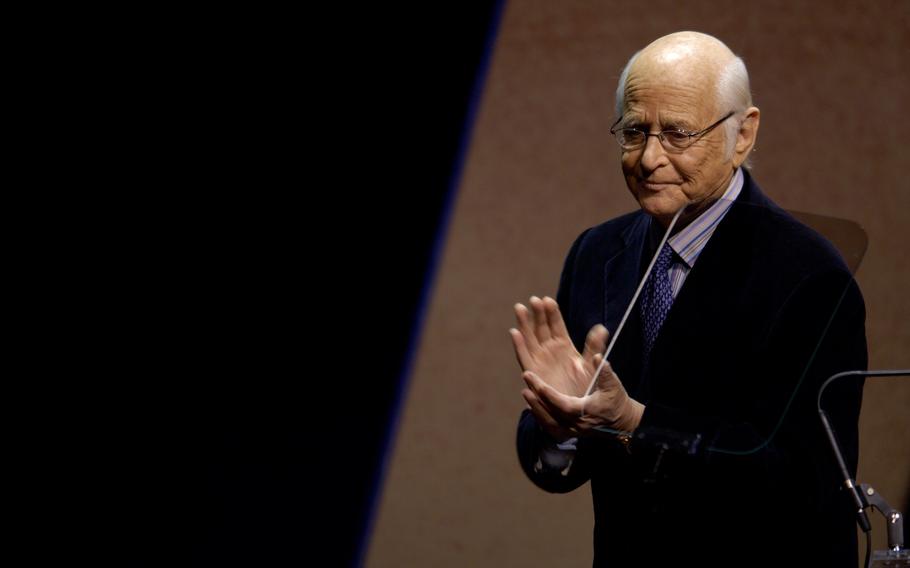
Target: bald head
684, 54
690, 60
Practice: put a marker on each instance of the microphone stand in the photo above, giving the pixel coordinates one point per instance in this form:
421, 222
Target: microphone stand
895, 522
866, 496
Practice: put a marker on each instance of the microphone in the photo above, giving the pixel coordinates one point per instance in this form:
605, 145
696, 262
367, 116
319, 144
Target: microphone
861, 516
849, 482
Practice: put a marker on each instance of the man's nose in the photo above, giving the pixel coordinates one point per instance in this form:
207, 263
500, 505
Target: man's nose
653, 155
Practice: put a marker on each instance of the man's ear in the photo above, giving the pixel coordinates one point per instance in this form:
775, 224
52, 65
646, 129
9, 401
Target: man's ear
746, 136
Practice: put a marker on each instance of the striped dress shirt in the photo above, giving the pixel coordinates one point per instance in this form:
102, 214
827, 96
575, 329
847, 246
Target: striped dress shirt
690, 241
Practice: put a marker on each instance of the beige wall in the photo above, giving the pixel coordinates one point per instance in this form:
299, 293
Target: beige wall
832, 82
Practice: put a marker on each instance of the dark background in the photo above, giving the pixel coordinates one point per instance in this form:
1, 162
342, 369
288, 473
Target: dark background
288, 277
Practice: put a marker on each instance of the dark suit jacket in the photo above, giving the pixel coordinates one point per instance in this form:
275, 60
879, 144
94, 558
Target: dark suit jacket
766, 314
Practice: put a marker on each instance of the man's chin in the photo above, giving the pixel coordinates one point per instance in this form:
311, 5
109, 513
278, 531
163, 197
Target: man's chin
661, 206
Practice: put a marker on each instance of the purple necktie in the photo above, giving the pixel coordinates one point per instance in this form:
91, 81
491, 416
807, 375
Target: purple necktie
656, 299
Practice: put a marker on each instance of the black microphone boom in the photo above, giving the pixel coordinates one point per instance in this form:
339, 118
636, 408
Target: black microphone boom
861, 516
862, 519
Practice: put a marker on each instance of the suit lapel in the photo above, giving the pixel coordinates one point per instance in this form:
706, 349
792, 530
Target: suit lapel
708, 293
622, 271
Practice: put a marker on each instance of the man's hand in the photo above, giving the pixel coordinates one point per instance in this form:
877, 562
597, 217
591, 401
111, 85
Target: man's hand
543, 346
608, 405
558, 376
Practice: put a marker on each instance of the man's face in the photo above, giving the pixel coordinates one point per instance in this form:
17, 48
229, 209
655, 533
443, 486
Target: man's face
662, 181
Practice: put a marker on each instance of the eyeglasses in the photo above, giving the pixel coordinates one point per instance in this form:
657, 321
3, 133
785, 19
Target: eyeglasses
673, 140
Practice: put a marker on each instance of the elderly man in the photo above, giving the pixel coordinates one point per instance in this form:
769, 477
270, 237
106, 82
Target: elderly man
700, 436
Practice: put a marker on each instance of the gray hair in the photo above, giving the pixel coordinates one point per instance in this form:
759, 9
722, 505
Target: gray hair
732, 94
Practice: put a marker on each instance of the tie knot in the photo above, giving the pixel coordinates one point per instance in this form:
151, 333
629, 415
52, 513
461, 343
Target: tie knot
664, 258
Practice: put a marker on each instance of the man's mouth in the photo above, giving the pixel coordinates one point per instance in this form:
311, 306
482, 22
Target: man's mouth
655, 185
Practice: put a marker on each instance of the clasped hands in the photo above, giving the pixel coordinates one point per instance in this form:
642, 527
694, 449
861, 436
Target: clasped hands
557, 376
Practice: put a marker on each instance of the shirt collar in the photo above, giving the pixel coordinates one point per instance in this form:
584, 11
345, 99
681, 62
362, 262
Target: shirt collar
690, 241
